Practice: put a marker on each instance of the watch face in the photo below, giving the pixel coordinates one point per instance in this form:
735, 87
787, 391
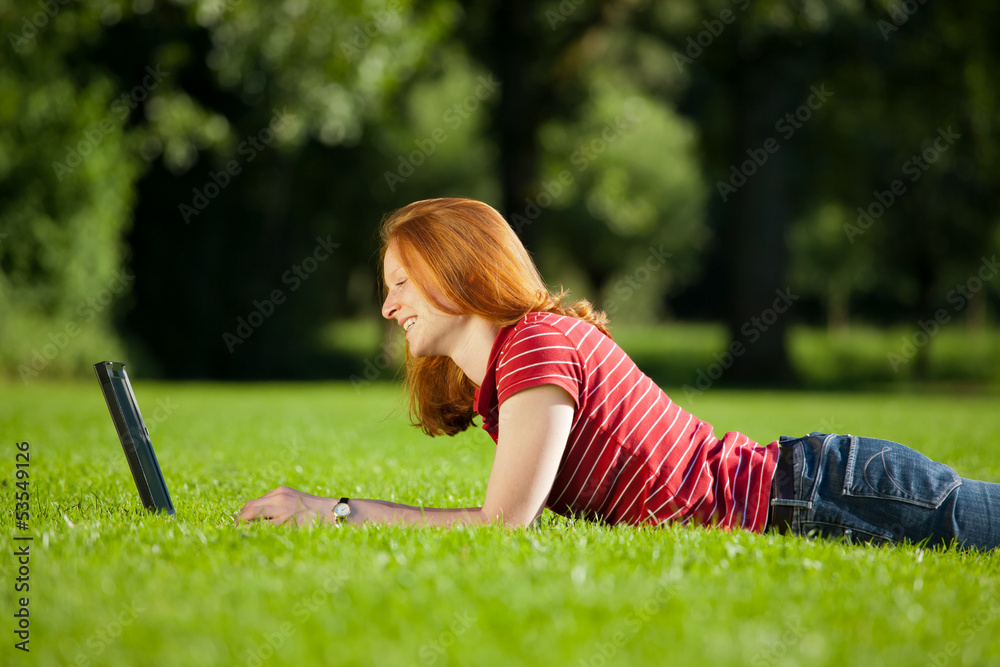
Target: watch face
341, 509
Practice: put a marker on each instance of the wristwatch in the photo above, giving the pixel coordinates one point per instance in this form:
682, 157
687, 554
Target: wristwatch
342, 510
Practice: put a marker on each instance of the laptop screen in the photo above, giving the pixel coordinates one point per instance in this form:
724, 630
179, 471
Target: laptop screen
134, 436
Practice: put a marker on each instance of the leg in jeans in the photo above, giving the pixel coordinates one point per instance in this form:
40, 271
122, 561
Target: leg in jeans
878, 491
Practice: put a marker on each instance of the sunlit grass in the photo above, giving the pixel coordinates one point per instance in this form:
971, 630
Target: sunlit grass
111, 584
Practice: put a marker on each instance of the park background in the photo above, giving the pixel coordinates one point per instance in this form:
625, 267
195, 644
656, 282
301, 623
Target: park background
773, 192
788, 208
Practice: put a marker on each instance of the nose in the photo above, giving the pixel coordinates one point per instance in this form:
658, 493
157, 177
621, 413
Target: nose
389, 306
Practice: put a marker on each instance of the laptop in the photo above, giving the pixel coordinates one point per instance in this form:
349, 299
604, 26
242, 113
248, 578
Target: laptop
134, 436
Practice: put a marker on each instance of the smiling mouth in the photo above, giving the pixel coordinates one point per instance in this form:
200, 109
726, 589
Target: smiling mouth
408, 324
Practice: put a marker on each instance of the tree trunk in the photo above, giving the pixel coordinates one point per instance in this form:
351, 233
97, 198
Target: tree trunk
517, 114
838, 307
760, 302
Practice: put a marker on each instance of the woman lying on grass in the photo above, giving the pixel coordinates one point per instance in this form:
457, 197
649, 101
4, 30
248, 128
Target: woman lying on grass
581, 430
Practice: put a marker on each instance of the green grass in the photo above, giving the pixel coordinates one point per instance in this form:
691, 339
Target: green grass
113, 585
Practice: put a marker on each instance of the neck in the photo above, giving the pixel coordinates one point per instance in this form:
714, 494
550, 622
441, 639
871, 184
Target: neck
473, 355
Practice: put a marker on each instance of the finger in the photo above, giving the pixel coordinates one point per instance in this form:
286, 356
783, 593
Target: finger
281, 518
251, 510
274, 513
244, 516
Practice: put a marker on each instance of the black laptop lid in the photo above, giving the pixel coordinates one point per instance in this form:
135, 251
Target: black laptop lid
133, 435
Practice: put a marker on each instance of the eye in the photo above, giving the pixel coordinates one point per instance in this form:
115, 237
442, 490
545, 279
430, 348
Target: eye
401, 282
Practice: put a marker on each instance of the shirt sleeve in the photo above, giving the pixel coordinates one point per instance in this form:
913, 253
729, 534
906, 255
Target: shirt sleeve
536, 355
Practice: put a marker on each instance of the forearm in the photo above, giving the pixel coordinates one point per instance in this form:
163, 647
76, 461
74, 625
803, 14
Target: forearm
383, 511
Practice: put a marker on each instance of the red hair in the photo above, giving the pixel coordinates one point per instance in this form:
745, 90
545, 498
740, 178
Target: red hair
472, 257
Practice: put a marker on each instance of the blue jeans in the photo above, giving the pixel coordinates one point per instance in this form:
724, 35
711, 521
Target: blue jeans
877, 491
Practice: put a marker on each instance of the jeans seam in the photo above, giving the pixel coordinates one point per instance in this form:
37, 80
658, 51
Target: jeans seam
908, 499
851, 459
798, 473
820, 466
778, 502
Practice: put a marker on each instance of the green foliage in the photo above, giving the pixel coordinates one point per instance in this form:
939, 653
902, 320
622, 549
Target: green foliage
111, 584
911, 115
68, 169
334, 64
610, 171
152, 111
437, 144
826, 262
632, 205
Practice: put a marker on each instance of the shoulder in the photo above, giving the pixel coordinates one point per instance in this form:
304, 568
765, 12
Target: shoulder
543, 343
551, 324
541, 349
537, 332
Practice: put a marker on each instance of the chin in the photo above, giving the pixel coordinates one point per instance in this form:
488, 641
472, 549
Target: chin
417, 351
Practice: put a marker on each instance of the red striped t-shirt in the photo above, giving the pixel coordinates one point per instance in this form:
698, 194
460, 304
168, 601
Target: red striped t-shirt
633, 455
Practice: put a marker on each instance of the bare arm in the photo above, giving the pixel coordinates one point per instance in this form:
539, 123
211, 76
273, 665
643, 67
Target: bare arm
534, 428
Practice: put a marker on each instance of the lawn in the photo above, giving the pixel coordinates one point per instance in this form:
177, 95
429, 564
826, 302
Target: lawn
113, 585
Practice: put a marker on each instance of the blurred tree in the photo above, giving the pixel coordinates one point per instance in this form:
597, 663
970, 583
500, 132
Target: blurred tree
809, 110
246, 150
247, 119
826, 264
263, 182
582, 148
752, 67
68, 169
909, 152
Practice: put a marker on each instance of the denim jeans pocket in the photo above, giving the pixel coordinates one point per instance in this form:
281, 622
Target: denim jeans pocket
890, 471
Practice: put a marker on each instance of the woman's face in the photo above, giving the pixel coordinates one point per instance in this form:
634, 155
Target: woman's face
428, 330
